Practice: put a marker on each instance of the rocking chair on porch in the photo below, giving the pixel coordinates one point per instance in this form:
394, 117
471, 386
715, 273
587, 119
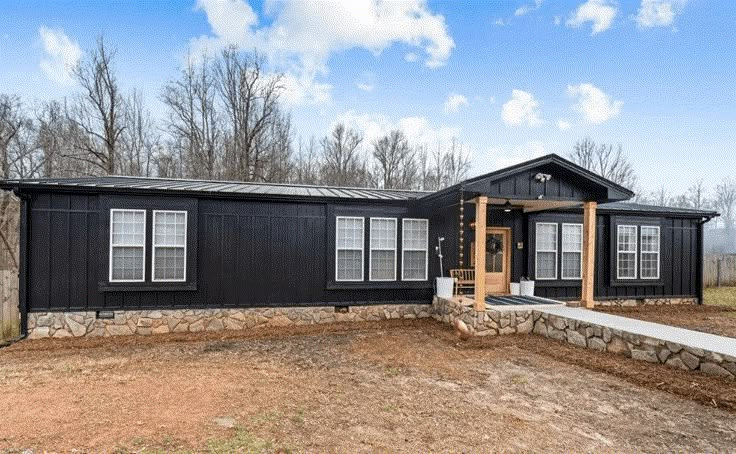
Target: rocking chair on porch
464, 280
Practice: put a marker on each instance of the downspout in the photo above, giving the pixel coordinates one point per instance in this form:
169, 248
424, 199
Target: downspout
23, 264
701, 258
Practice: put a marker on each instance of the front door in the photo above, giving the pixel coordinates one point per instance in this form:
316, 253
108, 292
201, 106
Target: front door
498, 260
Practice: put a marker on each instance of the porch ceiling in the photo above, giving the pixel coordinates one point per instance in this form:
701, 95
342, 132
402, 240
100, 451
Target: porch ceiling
531, 206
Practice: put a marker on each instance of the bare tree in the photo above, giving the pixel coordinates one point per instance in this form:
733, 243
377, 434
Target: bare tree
275, 163
11, 122
396, 166
697, 196
724, 201
99, 109
456, 163
193, 122
605, 160
140, 138
343, 165
250, 99
9, 219
307, 164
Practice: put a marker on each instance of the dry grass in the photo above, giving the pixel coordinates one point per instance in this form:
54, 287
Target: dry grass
384, 386
721, 296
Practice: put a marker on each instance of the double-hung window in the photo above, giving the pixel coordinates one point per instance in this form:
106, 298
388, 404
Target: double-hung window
169, 246
626, 251
415, 235
349, 249
649, 252
127, 245
546, 251
572, 251
383, 249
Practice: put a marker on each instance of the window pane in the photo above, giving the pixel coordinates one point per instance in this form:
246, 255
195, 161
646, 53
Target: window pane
414, 234
627, 238
649, 239
349, 233
546, 237
415, 263
572, 238
383, 233
128, 227
168, 263
546, 267
349, 265
170, 228
627, 265
383, 265
127, 263
571, 265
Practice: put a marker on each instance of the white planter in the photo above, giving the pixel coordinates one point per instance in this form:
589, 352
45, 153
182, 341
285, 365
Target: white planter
515, 288
444, 287
527, 288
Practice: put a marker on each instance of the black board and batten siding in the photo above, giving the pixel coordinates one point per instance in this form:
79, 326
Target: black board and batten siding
245, 254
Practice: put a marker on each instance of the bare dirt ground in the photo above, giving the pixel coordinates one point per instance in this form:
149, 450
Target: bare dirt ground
716, 316
385, 386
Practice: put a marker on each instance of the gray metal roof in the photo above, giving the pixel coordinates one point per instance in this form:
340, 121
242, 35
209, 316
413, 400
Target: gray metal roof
146, 184
654, 209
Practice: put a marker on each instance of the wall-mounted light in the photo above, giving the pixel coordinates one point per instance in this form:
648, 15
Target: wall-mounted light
543, 177
507, 207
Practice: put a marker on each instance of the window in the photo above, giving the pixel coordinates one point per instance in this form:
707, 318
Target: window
546, 251
383, 249
649, 252
414, 249
127, 245
572, 251
169, 246
626, 252
349, 250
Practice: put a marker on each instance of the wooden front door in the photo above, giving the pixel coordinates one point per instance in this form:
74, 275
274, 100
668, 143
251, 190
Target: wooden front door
498, 260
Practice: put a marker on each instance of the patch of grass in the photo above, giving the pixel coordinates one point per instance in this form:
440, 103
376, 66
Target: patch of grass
298, 417
269, 416
519, 379
721, 296
393, 371
390, 408
241, 441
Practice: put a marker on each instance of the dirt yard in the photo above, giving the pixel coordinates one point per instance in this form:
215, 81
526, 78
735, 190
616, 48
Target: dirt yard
716, 316
388, 386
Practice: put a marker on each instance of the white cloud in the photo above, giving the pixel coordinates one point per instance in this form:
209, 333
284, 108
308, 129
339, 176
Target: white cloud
61, 55
418, 130
658, 13
557, 20
563, 124
411, 57
300, 90
595, 105
528, 8
599, 12
301, 35
521, 108
500, 22
455, 102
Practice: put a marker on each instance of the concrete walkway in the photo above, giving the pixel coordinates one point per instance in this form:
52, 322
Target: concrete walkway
685, 337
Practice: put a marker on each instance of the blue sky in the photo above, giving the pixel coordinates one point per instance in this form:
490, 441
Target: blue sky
511, 80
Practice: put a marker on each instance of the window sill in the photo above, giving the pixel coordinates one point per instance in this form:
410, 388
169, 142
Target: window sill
377, 285
146, 286
637, 283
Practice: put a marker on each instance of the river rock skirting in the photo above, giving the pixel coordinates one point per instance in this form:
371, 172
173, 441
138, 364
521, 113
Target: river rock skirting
645, 302
78, 324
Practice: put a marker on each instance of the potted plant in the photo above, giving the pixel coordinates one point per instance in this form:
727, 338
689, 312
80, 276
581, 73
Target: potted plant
444, 284
526, 287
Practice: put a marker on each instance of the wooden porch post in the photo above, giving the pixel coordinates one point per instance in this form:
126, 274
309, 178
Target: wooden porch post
589, 231
480, 253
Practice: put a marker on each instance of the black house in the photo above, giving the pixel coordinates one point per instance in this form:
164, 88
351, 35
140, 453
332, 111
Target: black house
104, 244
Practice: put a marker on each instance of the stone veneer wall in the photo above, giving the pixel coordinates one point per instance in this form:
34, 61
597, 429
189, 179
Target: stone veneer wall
622, 302
635, 346
488, 323
78, 324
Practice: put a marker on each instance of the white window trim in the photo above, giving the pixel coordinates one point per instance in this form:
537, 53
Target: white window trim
562, 248
154, 246
659, 250
124, 210
404, 249
635, 252
371, 248
362, 249
537, 251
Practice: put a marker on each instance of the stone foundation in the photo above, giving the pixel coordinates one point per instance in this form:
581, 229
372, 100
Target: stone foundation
645, 302
79, 324
645, 348
488, 323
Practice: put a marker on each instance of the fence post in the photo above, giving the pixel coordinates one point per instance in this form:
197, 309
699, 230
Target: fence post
718, 271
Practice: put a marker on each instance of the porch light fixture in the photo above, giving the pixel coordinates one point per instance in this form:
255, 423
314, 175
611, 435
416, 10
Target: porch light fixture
507, 207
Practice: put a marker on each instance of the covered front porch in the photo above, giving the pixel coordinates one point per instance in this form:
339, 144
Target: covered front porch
496, 238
